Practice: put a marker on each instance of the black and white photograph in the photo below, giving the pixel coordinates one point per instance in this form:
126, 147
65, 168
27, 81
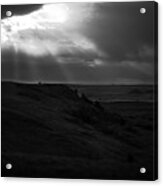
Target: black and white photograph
79, 90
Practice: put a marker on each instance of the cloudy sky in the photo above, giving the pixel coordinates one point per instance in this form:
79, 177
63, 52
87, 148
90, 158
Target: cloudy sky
88, 43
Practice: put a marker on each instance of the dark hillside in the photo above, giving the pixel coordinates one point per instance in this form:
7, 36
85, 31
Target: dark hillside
50, 128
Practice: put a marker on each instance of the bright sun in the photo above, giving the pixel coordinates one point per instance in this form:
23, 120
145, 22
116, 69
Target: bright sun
59, 13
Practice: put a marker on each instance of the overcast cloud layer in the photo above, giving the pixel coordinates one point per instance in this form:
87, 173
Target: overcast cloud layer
108, 43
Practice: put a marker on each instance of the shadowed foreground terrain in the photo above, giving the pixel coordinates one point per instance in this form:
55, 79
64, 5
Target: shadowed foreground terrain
55, 130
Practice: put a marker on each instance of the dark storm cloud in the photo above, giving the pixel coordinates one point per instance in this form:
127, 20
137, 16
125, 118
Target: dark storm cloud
121, 31
19, 9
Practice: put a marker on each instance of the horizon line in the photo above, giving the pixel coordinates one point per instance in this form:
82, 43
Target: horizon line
72, 83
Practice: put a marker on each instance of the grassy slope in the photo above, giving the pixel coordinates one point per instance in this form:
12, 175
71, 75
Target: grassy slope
49, 131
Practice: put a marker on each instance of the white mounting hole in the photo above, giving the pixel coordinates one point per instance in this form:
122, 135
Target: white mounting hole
8, 166
142, 170
8, 13
142, 10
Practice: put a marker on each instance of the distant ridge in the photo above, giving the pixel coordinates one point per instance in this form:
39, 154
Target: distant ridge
73, 84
